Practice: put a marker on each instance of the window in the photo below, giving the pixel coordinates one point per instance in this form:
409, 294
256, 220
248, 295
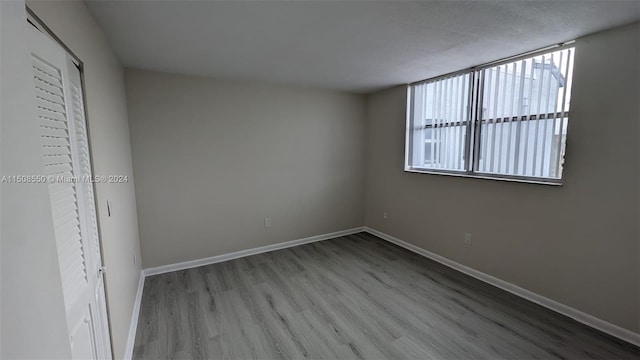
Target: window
505, 120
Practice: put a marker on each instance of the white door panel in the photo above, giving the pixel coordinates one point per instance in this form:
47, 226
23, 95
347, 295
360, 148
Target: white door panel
59, 110
83, 339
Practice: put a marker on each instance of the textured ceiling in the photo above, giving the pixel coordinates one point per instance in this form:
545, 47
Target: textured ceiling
357, 46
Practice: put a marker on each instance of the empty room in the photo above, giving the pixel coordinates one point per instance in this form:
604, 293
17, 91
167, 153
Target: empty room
320, 179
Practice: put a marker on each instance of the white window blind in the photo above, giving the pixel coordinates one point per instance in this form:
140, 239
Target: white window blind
439, 132
507, 120
524, 115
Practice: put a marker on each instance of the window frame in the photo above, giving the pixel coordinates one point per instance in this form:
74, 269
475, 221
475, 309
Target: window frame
473, 124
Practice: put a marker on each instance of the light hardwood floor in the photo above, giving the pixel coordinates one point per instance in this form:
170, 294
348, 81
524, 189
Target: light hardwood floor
353, 297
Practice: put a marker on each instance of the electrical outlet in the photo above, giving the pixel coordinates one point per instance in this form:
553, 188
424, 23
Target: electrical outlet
385, 215
267, 222
468, 239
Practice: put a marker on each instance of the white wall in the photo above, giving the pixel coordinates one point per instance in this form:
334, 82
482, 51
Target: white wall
577, 244
213, 158
109, 133
32, 313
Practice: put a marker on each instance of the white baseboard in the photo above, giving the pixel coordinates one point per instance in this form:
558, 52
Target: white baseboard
242, 253
128, 351
563, 309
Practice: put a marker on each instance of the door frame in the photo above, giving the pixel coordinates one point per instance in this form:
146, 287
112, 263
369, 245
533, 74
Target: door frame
36, 22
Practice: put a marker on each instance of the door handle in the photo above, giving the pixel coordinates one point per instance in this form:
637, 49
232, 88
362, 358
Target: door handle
101, 271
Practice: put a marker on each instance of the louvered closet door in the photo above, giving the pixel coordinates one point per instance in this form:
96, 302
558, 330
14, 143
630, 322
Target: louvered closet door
65, 152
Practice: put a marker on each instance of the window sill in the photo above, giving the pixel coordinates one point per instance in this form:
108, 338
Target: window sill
527, 180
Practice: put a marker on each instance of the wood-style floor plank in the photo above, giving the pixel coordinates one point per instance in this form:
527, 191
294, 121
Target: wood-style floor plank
353, 297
